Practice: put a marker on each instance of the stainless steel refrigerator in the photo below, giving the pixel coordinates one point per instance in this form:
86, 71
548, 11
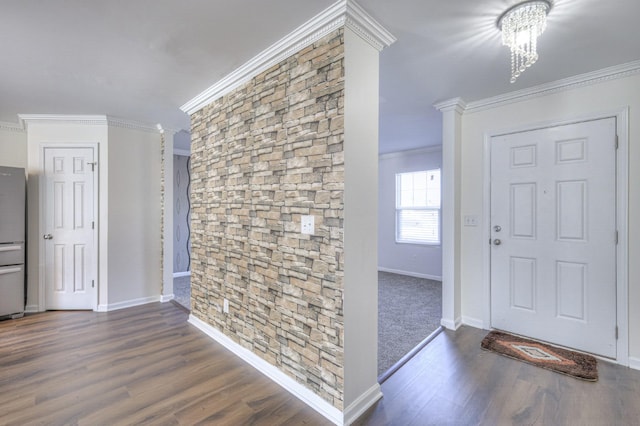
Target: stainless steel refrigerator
12, 242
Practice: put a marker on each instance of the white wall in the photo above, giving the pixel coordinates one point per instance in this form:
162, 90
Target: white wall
410, 259
605, 96
134, 215
13, 146
360, 220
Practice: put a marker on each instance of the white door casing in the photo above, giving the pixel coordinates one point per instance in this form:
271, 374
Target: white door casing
69, 228
553, 275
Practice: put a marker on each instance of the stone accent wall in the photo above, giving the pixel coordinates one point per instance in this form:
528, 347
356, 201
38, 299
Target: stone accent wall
262, 156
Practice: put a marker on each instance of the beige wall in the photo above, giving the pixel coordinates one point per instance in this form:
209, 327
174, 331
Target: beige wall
604, 97
128, 213
13, 146
39, 133
134, 248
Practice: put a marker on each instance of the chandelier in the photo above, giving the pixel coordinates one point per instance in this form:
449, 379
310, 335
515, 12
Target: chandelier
521, 25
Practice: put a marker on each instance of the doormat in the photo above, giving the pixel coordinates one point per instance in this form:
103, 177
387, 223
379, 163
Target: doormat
563, 361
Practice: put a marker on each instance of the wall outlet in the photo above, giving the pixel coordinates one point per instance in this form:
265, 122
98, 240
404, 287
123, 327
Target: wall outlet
307, 225
471, 220
225, 306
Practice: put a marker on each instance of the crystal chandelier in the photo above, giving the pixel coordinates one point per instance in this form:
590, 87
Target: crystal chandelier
521, 25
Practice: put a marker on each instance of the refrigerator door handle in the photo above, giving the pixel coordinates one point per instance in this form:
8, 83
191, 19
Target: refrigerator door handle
9, 270
10, 248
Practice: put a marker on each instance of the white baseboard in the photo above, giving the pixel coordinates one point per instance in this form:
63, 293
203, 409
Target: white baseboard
473, 322
307, 396
127, 304
30, 309
451, 325
167, 297
634, 363
362, 404
181, 274
410, 274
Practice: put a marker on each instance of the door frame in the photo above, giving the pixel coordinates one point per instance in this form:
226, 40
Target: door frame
622, 196
42, 223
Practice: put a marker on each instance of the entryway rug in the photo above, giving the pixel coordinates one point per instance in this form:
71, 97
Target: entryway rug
563, 361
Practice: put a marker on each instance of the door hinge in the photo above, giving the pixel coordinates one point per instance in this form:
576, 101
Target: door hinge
616, 141
93, 166
93, 225
616, 332
93, 283
616, 237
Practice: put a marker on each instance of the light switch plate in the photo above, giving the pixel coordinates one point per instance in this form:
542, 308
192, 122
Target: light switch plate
307, 225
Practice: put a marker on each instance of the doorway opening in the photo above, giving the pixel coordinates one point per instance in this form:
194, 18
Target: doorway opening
181, 219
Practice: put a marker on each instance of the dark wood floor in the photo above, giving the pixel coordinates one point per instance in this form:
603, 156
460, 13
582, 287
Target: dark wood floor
143, 365
454, 382
147, 365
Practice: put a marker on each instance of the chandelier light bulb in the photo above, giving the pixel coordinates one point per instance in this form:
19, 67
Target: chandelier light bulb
521, 25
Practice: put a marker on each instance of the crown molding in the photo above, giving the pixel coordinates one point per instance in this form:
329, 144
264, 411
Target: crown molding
340, 14
363, 24
581, 80
91, 120
457, 104
12, 127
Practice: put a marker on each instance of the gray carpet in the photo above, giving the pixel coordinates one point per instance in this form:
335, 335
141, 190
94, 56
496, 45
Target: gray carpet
409, 310
182, 291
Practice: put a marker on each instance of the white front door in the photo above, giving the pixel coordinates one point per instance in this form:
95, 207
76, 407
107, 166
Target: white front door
69, 234
553, 235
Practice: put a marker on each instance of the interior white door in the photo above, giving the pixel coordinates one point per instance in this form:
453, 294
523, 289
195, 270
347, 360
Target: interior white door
553, 235
69, 235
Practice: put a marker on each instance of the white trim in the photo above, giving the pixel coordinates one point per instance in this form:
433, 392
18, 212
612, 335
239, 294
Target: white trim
90, 120
12, 127
411, 152
167, 297
31, 309
451, 325
95, 146
410, 274
183, 152
457, 104
474, 322
362, 404
634, 363
63, 119
128, 304
581, 80
622, 200
342, 13
181, 274
307, 396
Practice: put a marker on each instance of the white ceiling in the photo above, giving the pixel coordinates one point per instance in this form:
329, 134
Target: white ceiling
142, 59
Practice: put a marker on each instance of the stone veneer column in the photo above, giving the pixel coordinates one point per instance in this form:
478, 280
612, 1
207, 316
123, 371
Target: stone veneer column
262, 156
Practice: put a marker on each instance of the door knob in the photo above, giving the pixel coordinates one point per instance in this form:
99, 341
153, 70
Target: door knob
47, 237
497, 242
497, 228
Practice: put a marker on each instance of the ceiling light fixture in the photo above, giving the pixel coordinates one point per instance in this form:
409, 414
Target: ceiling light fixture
521, 25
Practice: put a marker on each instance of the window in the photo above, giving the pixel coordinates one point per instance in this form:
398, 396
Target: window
418, 207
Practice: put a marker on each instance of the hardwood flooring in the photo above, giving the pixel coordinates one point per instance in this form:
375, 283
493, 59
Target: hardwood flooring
454, 382
147, 365
142, 365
